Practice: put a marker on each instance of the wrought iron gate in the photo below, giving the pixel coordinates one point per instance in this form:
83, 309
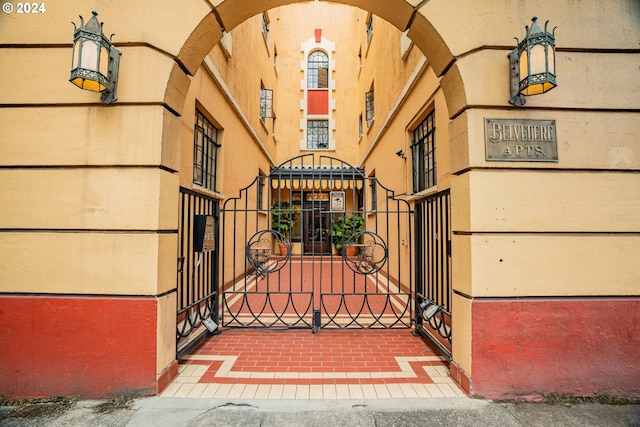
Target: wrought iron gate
433, 269
197, 281
305, 206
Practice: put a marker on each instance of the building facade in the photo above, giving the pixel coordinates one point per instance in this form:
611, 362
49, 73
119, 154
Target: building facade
543, 254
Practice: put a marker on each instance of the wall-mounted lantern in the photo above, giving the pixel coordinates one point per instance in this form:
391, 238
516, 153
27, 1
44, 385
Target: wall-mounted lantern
533, 63
95, 61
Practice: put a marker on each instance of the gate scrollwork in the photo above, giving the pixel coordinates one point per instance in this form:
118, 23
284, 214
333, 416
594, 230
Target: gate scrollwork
260, 254
367, 256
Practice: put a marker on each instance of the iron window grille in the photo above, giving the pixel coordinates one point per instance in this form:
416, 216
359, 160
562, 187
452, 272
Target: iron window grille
369, 28
424, 154
374, 193
205, 152
318, 71
266, 103
368, 100
317, 134
265, 25
260, 190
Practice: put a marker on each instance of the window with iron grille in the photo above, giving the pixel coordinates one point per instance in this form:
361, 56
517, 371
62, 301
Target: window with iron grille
369, 28
205, 152
265, 25
424, 154
368, 101
374, 191
260, 188
317, 134
266, 103
318, 70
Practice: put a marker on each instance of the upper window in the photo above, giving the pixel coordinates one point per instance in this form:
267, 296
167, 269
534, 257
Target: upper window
424, 154
318, 71
266, 103
265, 25
369, 28
317, 134
368, 101
205, 152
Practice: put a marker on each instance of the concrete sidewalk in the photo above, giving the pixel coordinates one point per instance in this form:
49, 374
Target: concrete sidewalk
459, 411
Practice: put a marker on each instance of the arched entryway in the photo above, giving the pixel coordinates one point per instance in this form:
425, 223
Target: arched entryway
240, 308
101, 258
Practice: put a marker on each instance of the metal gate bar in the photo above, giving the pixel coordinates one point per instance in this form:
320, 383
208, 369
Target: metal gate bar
197, 280
434, 289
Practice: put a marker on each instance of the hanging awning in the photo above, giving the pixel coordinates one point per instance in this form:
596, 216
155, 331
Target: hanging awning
317, 178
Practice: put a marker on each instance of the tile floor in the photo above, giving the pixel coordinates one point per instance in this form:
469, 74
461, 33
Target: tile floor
296, 364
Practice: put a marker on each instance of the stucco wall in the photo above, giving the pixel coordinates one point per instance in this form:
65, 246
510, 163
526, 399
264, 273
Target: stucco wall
72, 222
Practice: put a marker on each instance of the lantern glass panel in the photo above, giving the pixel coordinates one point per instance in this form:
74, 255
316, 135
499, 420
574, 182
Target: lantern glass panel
89, 55
104, 61
537, 59
524, 64
533, 89
75, 61
92, 85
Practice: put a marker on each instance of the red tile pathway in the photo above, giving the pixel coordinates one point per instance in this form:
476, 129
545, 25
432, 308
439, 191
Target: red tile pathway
296, 364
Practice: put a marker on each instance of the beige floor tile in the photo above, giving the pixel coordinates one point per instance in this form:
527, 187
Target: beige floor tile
236, 390
188, 370
171, 389
342, 391
240, 374
276, 391
249, 391
447, 390
302, 392
263, 391
395, 391
289, 391
210, 391
223, 390
315, 391
382, 391
329, 391
184, 390
197, 390
434, 391
355, 391
183, 379
421, 390
368, 391
408, 391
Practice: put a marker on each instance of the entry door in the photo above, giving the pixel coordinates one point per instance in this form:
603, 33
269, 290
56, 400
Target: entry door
317, 239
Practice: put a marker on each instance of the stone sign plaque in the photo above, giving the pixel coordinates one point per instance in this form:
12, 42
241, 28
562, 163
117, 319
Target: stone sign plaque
520, 140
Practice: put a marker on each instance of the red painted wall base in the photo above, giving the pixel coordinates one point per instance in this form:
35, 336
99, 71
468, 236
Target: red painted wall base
77, 346
528, 348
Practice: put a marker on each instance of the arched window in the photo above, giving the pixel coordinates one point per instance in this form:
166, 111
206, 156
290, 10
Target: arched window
318, 70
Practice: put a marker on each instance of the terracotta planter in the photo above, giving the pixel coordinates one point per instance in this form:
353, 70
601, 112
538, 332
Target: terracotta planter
282, 248
351, 251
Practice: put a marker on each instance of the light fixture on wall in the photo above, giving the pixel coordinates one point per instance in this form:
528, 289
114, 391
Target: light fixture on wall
95, 61
401, 154
533, 63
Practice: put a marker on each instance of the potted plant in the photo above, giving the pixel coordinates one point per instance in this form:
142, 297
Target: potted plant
281, 221
344, 230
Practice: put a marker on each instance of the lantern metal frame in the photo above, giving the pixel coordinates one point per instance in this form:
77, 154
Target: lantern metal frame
538, 82
90, 76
